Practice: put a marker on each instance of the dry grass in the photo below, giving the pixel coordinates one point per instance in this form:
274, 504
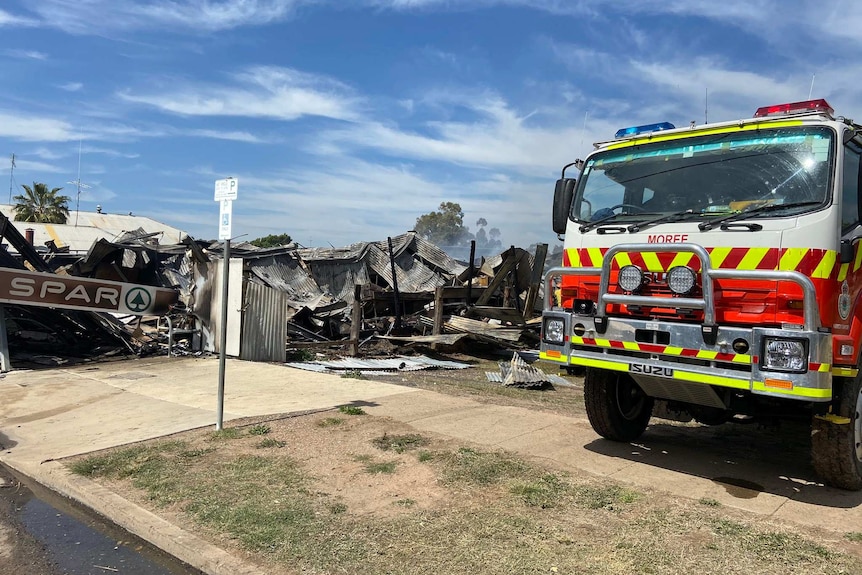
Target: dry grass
369, 495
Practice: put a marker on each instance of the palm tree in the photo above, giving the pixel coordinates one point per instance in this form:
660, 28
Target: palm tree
41, 205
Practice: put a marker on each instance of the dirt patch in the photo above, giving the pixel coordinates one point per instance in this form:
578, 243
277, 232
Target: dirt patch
357, 493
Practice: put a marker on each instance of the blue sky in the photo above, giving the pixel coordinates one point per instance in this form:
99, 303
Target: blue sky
345, 120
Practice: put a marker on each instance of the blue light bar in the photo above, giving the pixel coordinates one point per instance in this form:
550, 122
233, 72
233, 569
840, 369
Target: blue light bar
636, 130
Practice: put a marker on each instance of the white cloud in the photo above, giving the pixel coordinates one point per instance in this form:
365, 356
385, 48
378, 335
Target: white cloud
7, 19
47, 154
111, 153
30, 128
235, 136
71, 86
33, 166
96, 16
259, 92
499, 137
26, 54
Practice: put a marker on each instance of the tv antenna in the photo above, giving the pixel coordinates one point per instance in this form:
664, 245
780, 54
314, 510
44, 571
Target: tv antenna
79, 185
11, 177
706, 106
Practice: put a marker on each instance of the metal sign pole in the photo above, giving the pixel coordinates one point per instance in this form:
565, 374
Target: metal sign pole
223, 336
225, 193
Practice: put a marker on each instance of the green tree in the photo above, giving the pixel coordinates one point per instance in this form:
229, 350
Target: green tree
444, 227
41, 205
272, 241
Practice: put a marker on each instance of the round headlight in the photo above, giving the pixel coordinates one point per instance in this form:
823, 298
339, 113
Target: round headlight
554, 331
681, 280
631, 278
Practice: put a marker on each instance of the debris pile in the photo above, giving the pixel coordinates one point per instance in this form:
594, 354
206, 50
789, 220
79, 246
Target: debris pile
404, 289
518, 373
378, 366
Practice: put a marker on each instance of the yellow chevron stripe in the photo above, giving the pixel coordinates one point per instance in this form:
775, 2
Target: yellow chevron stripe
623, 259
681, 259
842, 272
824, 367
575, 258
827, 263
791, 258
858, 261
717, 256
595, 257
651, 261
668, 350
752, 258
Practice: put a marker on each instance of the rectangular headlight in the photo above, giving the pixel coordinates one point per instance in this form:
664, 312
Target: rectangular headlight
554, 330
781, 354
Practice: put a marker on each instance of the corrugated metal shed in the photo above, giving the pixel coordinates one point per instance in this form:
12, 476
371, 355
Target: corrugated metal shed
264, 324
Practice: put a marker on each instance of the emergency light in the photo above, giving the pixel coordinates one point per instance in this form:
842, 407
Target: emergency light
646, 128
804, 107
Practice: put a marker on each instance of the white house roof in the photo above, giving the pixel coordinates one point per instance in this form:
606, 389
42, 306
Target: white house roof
92, 226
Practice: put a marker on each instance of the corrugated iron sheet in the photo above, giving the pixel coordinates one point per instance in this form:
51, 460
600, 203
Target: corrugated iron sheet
264, 324
518, 373
399, 363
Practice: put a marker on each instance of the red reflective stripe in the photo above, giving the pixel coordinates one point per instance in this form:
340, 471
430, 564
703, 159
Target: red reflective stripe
651, 348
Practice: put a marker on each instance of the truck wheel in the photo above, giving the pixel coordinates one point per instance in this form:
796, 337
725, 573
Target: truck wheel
836, 448
616, 406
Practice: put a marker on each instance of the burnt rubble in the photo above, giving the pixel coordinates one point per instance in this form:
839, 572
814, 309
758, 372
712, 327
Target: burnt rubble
404, 290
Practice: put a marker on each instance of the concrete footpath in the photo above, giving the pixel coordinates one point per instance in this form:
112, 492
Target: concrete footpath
52, 414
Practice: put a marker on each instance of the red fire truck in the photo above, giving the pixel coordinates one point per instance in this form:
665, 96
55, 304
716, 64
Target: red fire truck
713, 273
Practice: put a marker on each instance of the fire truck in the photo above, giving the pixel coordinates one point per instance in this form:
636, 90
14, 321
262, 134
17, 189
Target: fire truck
713, 272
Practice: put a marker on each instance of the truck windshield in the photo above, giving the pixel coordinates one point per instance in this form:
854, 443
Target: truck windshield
711, 175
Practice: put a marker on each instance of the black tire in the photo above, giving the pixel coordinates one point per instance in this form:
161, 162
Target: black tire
616, 406
836, 448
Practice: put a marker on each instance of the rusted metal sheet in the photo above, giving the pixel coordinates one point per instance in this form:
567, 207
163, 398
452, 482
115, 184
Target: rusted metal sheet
264, 324
68, 292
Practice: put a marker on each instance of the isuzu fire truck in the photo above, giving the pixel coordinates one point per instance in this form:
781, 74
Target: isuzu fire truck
714, 273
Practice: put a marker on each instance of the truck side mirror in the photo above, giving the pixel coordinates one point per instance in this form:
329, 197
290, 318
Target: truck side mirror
563, 194
846, 251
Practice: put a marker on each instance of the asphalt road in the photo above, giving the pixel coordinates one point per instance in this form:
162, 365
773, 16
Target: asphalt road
43, 534
20, 552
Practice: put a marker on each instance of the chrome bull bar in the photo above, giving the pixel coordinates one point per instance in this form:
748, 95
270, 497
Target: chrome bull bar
811, 313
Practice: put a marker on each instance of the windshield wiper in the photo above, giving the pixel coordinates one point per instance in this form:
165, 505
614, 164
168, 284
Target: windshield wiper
745, 214
634, 228
590, 225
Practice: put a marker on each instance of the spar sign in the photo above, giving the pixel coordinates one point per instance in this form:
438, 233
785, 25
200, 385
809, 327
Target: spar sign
67, 292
